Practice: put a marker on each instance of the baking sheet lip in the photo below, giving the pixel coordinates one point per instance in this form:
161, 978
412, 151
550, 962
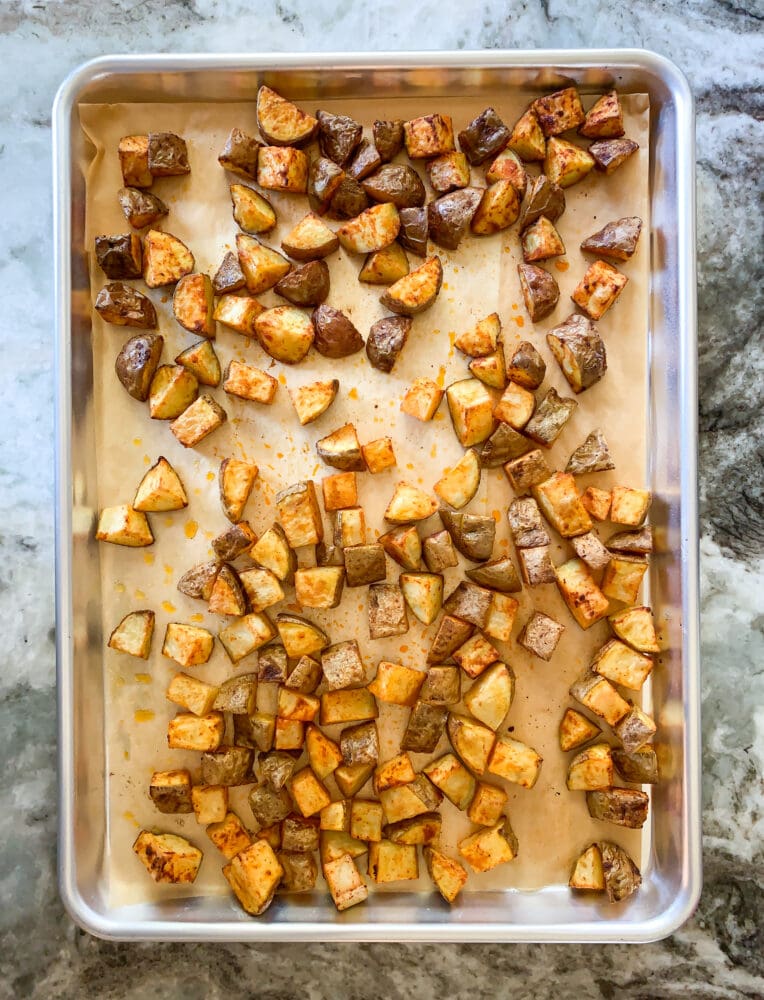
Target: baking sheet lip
684, 904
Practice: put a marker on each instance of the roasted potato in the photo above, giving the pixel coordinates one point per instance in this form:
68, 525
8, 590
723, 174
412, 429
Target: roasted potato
540, 241
385, 266
527, 138
413, 232
300, 516
200, 359
234, 542
192, 694
636, 627
587, 603
366, 160
508, 167
443, 684
243, 637
559, 112
133, 152
449, 217
324, 180
300, 637
576, 729
438, 551
173, 389
396, 685
579, 350
469, 602
342, 450
134, 633
503, 445
192, 732
485, 136
471, 408
589, 548
378, 455
490, 697
373, 229
543, 199
365, 564
236, 479
514, 761
536, 565
286, 333
460, 484
282, 123
617, 240
451, 634
622, 806
526, 367
165, 259
198, 581
261, 266
489, 847
426, 725
638, 766
422, 399
481, 339
609, 154
141, 208
349, 200
239, 155
604, 120
404, 545
423, 593
125, 306
119, 256
596, 501
622, 665
524, 472
591, 456
452, 778
448, 172
387, 611
428, 136
310, 239
282, 168
311, 400
540, 635
565, 163
472, 534
387, 338
193, 304
408, 503
499, 208
498, 575
388, 138
598, 289
335, 335
160, 489
525, 524
306, 285
397, 183
167, 155
515, 407
227, 765
472, 741
227, 597
251, 211
238, 312
338, 136
345, 882
168, 857
550, 417
540, 291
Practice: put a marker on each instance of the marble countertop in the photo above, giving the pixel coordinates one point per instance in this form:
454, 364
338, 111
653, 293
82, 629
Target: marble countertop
720, 953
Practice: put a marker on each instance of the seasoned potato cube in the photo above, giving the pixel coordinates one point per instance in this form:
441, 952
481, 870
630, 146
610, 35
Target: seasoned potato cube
167, 857
200, 359
425, 726
366, 160
514, 761
452, 633
237, 695
610, 154
591, 456
471, 740
350, 528
490, 697
339, 491
300, 637
484, 136
406, 801
543, 199
604, 120
527, 138
565, 163
622, 665
360, 744
409, 503
639, 766
248, 382
133, 151
469, 602
499, 208
300, 515
559, 112
173, 389
536, 565
447, 874
244, 636
599, 696
586, 602
289, 734
453, 779
396, 684
580, 351
487, 804
389, 862
251, 211
576, 729
635, 542
636, 627
335, 816
491, 369
476, 655
282, 168
501, 617
300, 834
387, 611
439, 553
319, 586
272, 665
285, 333
165, 259
255, 731
422, 829
378, 455
499, 574
227, 597
623, 578
442, 686
597, 502
230, 836
374, 229
395, 772
449, 217
489, 847
541, 241
526, 525
366, 819
238, 312
598, 289
281, 122
540, 635
192, 732
471, 407
198, 421
416, 291
404, 545
622, 806
338, 136
272, 552
541, 294
622, 877
170, 791
133, 634
276, 769
192, 694
591, 769
324, 754
351, 778
335, 843
193, 304
635, 729
296, 706
388, 138
460, 484
188, 645
123, 305
210, 803
310, 401
305, 676
629, 506
508, 167
422, 399
561, 504
428, 136
423, 593
262, 588
448, 172
308, 793
550, 418
119, 256
262, 267
345, 882
343, 665
254, 875
515, 407
587, 871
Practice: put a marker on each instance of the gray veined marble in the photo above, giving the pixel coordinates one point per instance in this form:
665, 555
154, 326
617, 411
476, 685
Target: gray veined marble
720, 953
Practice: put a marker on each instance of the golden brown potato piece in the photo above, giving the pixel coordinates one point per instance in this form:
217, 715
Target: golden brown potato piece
409, 503
385, 266
306, 285
282, 123
527, 138
449, 217
470, 405
417, 291
491, 369
422, 399
125, 306
585, 600
598, 289
544, 198
527, 368
579, 350
261, 266
137, 363
508, 167
239, 155
285, 333
448, 172
386, 340
202, 362
617, 240
335, 335
167, 155
167, 857
238, 312
527, 470
119, 256
310, 239
338, 136
428, 136
541, 241
565, 163
460, 484
193, 304
541, 292
342, 450
134, 633
622, 806
559, 112
373, 229
201, 418
300, 516
173, 389
502, 445
388, 138
604, 119
403, 545
160, 489
397, 183
133, 151
141, 208
236, 479
498, 209
485, 136
282, 168
123, 525
472, 534
251, 211
310, 401
248, 382
165, 259
610, 154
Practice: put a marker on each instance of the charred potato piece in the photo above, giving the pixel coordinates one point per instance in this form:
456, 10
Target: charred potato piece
438, 551
604, 119
527, 368
472, 534
508, 167
386, 340
413, 232
387, 611
366, 160
449, 217
524, 472
397, 183
282, 168
527, 138
503, 445
417, 291
324, 180
610, 154
541, 241
499, 208
540, 635
306, 285
385, 266
286, 333
282, 123
125, 306
193, 304
471, 407
141, 208
448, 172
579, 350
498, 575
485, 136
335, 335
545, 199
622, 806
550, 417
251, 211
388, 138
119, 256
338, 136
310, 401
426, 725
428, 136
559, 112
239, 155
133, 152
617, 240
598, 289
452, 633
540, 291
404, 546
167, 155
165, 259
310, 239
342, 450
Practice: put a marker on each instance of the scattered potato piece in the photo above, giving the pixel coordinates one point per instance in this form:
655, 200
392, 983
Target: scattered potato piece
610, 154
198, 420
514, 761
422, 399
560, 111
527, 138
133, 151
168, 857
623, 578
416, 291
123, 525
489, 847
576, 729
587, 873
586, 602
165, 259
378, 454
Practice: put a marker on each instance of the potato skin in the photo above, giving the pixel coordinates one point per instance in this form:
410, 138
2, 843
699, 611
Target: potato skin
541, 292
168, 155
543, 198
324, 178
413, 232
449, 216
338, 136
141, 208
137, 362
386, 340
125, 306
119, 256
388, 138
349, 200
617, 240
306, 285
336, 337
398, 183
485, 136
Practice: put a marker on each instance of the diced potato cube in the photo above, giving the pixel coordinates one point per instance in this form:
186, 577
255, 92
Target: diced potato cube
561, 504
597, 502
405, 801
482, 338
210, 803
395, 772
422, 829
248, 382
198, 421
526, 471
636, 627
230, 836
448, 875
587, 603
559, 112
472, 741
490, 697
192, 732
576, 729
501, 617
335, 843
598, 289
424, 728
622, 665
296, 705
167, 857
471, 407
515, 761
629, 506
160, 489
565, 163
366, 819
396, 684
319, 586
422, 399
308, 792
599, 696
541, 241
409, 503
282, 168
351, 778
591, 769
133, 153
623, 578
428, 136
487, 804
335, 816
133, 634
310, 401
622, 806
635, 729
351, 705
324, 756
300, 834
489, 847
254, 875
345, 882
245, 635
124, 525
170, 791
387, 611
423, 593
192, 694
442, 685
515, 407
350, 527
389, 862
453, 779
536, 565
340, 490
289, 734
476, 655
378, 454
540, 635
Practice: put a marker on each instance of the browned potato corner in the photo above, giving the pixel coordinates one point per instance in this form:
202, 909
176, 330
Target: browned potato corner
167, 155
540, 292
300, 516
119, 256
397, 183
423, 593
469, 602
239, 154
448, 172
472, 534
335, 335
598, 289
527, 138
491, 369
604, 120
536, 565
559, 112
629, 506
617, 240
388, 138
428, 136
311, 400
141, 208
165, 259
438, 551
387, 611
449, 217
387, 338
167, 857
324, 180
414, 230
471, 407
338, 136
366, 160
550, 417
416, 291
543, 198
422, 399
526, 471
540, 241
160, 489
481, 339
609, 154
409, 503
508, 167
133, 152
579, 350
286, 333
576, 729
525, 524
133, 634
452, 633
234, 541
499, 208
122, 525
586, 602
282, 168
173, 388
282, 123
485, 136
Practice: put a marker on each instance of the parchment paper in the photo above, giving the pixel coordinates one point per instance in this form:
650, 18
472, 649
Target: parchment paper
552, 824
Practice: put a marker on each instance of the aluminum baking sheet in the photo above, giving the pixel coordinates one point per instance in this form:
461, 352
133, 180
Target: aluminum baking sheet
134, 711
